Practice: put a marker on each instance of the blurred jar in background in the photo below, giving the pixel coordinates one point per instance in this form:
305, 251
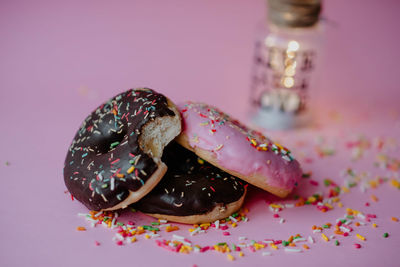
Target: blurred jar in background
285, 64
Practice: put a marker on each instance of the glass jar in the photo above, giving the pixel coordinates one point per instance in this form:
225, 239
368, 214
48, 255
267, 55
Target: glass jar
285, 65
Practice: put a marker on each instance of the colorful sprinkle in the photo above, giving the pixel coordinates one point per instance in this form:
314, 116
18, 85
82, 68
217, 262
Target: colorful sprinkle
113, 145
130, 170
325, 237
295, 250
374, 198
230, 257
385, 235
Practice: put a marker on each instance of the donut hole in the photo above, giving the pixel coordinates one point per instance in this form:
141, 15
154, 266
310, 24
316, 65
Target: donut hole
158, 133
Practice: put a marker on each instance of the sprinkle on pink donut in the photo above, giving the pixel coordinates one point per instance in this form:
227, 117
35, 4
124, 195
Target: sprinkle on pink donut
238, 148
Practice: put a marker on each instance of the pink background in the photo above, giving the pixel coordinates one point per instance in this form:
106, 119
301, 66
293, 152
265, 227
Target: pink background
60, 60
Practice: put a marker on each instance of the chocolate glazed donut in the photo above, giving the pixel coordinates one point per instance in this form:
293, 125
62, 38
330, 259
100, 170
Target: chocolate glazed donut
192, 190
114, 159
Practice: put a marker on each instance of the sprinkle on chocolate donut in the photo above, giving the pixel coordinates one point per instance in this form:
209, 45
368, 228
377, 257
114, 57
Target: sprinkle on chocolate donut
111, 163
191, 186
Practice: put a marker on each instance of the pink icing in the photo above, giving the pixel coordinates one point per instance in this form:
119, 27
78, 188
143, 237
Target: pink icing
238, 148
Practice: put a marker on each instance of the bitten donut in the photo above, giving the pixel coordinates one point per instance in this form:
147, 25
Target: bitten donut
115, 157
232, 147
192, 190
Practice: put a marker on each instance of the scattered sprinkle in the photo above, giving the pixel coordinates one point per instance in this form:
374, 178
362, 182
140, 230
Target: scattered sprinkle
385, 235
230, 257
374, 198
360, 237
325, 237
296, 250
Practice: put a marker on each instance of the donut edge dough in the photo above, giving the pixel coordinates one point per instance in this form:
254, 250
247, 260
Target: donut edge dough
220, 211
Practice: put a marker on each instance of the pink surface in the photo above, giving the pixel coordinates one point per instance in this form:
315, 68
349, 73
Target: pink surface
58, 61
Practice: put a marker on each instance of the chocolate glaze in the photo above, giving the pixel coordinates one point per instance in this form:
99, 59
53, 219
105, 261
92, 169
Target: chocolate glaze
191, 186
97, 169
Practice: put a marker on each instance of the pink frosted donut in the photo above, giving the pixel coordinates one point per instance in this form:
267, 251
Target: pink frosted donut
238, 150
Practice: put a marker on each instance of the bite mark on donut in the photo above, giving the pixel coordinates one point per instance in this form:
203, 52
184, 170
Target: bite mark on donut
158, 133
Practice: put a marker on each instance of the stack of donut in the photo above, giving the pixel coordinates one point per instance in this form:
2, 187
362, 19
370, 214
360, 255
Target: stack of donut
188, 163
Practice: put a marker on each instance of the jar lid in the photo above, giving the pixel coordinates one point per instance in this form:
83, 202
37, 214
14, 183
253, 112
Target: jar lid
294, 13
